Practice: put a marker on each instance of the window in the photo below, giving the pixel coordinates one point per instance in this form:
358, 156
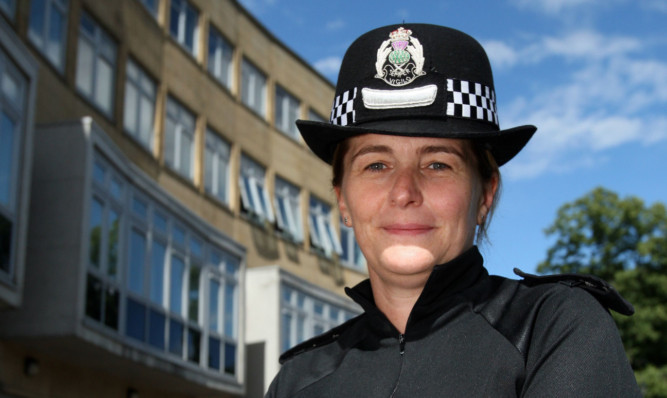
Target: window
47, 29
179, 139
312, 115
184, 25
304, 316
216, 166
287, 112
222, 313
179, 290
288, 210
151, 6
96, 64
13, 87
139, 109
104, 227
220, 52
351, 255
322, 234
8, 7
253, 88
254, 196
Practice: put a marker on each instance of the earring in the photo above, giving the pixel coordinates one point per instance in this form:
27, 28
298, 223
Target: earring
345, 220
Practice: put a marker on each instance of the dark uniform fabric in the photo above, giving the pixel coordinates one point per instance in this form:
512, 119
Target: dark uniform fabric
468, 335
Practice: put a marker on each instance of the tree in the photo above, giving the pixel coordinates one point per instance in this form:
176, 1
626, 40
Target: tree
624, 242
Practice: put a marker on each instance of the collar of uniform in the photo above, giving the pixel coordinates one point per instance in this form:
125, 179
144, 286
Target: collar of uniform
444, 282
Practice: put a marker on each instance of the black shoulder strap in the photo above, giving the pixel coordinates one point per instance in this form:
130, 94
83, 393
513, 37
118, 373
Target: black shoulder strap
600, 289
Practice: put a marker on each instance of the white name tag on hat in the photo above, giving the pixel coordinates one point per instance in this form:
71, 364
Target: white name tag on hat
406, 98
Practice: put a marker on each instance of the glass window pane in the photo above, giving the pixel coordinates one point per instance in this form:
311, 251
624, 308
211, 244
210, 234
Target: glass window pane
156, 329
176, 285
214, 353
94, 298
213, 306
230, 310
135, 320
104, 86
176, 337
131, 108
160, 222
7, 133
194, 345
230, 358
111, 303
5, 244
193, 294
137, 255
157, 273
84, 67
112, 244
95, 234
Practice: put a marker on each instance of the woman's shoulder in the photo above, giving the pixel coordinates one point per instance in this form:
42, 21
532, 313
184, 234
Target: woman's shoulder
519, 309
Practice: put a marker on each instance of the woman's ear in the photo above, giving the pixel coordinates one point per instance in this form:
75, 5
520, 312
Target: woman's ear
342, 207
489, 189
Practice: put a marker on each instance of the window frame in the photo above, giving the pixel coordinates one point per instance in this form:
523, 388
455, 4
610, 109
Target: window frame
181, 118
323, 236
139, 85
217, 151
290, 220
41, 39
12, 106
221, 71
254, 83
98, 42
351, 248
148, 320
304, 322
287, 111
179, 10
255, 199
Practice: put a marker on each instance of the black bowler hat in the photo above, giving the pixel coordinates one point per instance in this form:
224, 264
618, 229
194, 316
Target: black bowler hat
415, 80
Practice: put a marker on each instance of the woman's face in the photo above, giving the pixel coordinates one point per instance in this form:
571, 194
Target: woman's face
413, 202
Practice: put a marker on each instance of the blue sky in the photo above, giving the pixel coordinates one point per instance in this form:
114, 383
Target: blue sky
590, 74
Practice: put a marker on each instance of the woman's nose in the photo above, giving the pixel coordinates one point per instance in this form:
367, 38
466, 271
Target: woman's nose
406, 190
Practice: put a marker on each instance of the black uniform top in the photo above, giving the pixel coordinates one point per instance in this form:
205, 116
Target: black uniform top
470, 335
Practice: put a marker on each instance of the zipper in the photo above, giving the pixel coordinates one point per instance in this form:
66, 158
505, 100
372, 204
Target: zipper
401, 343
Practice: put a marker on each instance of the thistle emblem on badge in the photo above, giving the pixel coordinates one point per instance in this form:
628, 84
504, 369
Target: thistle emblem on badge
400, 59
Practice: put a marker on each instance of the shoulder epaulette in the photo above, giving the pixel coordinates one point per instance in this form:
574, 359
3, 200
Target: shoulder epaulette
599, 288
317, 341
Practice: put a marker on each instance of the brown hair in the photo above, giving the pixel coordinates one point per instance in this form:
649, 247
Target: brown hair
483, 160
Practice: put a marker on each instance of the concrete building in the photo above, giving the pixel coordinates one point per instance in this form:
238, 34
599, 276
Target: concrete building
164, 231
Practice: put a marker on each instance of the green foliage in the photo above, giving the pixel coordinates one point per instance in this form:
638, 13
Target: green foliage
624, 242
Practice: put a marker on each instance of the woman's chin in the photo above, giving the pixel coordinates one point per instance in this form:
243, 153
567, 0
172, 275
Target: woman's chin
407, 260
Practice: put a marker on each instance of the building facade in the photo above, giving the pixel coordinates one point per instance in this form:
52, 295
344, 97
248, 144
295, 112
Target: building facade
164, 231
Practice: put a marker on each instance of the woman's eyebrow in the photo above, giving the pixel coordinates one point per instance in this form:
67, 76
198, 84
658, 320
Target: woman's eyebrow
441, 148
370, 149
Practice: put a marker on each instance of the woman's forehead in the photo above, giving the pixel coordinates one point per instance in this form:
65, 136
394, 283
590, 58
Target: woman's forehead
370, 143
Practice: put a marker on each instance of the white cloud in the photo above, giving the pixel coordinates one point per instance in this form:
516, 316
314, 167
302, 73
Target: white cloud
328, 66
334, 25
554, 7
611, 97
500, 54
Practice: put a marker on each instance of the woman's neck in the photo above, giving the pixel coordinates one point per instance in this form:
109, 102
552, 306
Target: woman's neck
396, 300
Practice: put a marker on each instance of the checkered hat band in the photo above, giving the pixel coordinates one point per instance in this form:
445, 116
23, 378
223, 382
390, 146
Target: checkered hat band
342, 112
471, 100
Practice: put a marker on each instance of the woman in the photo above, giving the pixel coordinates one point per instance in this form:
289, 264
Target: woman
415, 146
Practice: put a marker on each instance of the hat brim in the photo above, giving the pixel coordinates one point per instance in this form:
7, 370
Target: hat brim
322, 138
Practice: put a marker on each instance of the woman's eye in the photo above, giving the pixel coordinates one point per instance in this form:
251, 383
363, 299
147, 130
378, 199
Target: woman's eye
438, 166
375, 167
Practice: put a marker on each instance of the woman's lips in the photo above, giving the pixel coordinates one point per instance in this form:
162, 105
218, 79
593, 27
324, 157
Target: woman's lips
407, 229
